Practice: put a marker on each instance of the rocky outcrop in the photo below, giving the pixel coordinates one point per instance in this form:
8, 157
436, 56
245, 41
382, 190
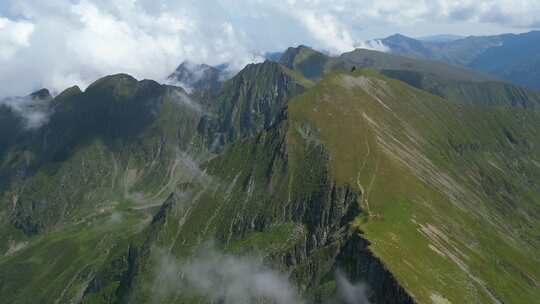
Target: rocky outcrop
361, 265
248, 103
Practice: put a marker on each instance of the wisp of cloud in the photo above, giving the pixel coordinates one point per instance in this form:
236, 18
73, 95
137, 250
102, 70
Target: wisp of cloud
233, 279
34, 111
221, 278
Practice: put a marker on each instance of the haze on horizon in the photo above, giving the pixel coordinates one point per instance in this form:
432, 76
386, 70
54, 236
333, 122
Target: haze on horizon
149, 38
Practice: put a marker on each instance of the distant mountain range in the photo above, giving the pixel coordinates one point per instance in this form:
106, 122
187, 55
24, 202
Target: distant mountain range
512, 57
440, 38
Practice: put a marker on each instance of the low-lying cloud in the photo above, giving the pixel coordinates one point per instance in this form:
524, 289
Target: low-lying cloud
222, 278
351, 293
14, 35
232, 279
180, 97
34, 111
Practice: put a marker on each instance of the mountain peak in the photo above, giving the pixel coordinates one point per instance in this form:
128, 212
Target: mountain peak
292, 55
398, 36
114, 79
74, 90
199, 77
42, 94
311, 63
122, 84
260, 65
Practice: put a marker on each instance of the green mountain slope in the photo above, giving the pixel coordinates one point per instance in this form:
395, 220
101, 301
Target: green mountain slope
309, 62
380, 60
451, 191
459, 85
493, 93
456, 84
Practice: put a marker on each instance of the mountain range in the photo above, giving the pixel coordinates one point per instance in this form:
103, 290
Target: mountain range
368, 177
511, 57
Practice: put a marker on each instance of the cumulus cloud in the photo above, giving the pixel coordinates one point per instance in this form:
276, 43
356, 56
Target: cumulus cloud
327, 29
520, 13
13, 36
63, 42
59, 43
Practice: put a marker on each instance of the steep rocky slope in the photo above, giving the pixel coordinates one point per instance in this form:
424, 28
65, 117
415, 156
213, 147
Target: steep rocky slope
250, 102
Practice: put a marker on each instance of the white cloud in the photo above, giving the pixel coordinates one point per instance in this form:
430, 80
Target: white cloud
58, 43
62, 43
351, 293
13, 36
221, 278
34, 112
226, 278
328, 31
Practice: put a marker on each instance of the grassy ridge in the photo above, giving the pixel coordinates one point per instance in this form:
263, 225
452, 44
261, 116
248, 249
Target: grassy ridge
419, 162
454, 83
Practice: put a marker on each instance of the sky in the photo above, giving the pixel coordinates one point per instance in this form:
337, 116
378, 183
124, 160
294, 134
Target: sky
60, 43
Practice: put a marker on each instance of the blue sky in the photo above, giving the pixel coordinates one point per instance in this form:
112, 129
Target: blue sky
58, 43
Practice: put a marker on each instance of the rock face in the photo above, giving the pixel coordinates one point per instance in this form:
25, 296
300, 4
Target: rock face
249, 102
360, 264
